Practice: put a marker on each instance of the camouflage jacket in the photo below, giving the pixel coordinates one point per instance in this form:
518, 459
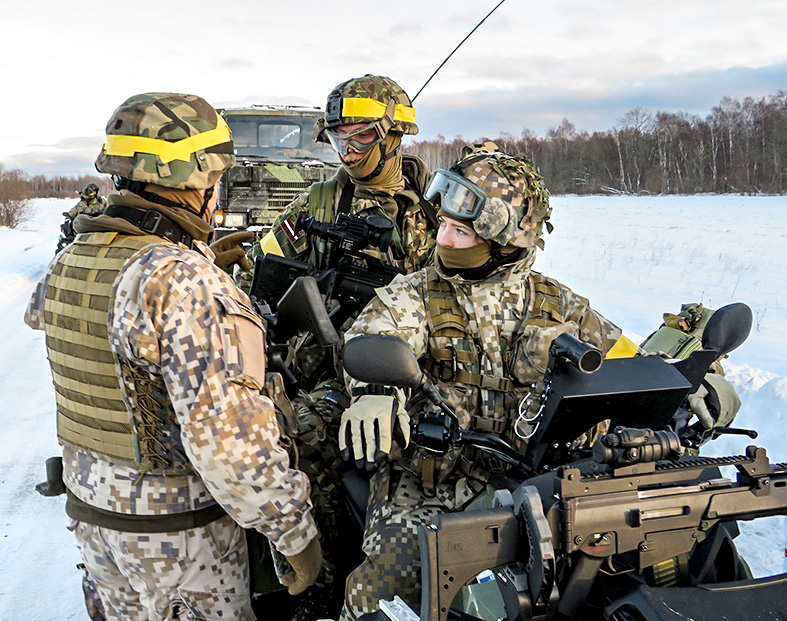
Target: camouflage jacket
91, 207
177, 316
413, 241
505, 344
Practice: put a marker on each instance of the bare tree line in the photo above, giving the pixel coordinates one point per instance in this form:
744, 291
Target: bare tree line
740, 147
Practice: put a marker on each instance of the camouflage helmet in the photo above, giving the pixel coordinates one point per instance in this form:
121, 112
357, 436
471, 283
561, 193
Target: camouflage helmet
178, 141
506, 199
90, 188
372, 99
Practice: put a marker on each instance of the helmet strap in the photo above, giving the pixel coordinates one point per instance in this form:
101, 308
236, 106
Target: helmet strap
138, 188
208, 196
383, 159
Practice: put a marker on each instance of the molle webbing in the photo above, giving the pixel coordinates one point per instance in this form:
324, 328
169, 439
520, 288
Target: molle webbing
546, 302
447, 319
91, 413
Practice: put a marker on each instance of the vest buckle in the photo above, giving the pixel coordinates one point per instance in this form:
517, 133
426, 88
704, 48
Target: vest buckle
442, 366
150, 221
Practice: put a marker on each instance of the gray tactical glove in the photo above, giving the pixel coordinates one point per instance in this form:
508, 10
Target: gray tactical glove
228, 251
715, 402
369, 427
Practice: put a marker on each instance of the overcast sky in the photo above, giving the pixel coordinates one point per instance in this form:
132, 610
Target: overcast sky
65, 66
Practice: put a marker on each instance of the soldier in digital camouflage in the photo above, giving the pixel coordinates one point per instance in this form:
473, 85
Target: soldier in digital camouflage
90, 202
365, 119
481, 321
169, 447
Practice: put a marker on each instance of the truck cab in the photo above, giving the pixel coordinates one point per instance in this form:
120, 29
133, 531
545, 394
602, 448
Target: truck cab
277, 157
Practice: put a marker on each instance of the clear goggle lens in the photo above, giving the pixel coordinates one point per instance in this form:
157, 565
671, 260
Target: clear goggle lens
359, 140
459, 198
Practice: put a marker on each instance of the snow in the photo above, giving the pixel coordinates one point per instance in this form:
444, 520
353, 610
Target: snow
633, 257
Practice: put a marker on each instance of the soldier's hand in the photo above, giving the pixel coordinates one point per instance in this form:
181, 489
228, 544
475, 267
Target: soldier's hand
305, 567
228, 251
369, 427
715, 402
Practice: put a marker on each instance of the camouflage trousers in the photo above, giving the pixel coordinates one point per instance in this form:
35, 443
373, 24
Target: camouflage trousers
397, 507
199, 573
317, 454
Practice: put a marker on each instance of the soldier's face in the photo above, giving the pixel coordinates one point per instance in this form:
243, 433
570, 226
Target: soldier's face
353, 156
454, 234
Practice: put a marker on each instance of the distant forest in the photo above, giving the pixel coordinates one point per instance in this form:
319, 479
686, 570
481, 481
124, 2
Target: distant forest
740, 147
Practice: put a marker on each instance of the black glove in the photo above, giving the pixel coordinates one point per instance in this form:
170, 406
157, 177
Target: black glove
228, 251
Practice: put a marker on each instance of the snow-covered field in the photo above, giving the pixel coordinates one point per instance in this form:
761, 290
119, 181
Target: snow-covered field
635, 258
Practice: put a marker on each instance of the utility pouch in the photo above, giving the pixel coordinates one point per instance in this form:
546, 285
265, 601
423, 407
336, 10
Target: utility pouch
53, 486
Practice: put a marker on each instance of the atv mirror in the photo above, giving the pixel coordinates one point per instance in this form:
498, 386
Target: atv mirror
381, 359
727, 328
302, 308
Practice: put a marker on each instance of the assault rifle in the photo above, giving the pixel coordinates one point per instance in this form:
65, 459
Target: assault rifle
352, 275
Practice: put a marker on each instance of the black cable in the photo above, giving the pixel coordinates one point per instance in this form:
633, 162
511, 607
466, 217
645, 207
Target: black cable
456, 48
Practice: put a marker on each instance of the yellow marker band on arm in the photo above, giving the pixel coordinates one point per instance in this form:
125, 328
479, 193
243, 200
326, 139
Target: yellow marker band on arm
371, 108
127, 146
623, 348
270, 245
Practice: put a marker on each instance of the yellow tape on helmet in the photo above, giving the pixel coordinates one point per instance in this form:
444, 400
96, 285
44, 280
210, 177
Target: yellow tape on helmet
373, 109
127, 146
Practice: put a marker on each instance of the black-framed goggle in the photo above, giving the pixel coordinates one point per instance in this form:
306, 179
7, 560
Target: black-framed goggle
459, 198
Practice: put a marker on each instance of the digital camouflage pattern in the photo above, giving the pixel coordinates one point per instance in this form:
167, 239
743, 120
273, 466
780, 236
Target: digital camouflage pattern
198, 573
517, 207
168, 118
375, 87
497, 310
178, 317
88, 206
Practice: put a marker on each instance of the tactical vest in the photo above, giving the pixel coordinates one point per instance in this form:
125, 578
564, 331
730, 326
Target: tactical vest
323, 206
91, 413
458, 362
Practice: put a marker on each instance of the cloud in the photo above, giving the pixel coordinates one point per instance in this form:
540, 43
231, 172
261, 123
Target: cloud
236, 64
488, 112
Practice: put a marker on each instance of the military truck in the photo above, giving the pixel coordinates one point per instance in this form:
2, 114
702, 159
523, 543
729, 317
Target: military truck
277, 157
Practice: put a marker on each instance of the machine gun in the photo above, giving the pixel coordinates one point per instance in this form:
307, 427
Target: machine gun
591, 541
352, 275
631, 530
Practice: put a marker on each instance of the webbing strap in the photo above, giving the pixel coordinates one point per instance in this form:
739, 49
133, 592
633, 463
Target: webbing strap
127, 523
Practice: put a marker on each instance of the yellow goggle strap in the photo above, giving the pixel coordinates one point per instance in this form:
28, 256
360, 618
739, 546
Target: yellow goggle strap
623, 348
373, 109
127, 146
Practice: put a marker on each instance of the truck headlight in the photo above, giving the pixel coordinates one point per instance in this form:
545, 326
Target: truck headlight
235, 220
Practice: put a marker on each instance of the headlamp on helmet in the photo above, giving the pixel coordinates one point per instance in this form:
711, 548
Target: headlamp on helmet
458, 197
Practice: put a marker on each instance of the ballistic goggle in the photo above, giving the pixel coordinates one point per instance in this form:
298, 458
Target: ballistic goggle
360, 140
459, 198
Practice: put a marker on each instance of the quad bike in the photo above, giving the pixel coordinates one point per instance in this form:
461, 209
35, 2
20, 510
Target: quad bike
632, 529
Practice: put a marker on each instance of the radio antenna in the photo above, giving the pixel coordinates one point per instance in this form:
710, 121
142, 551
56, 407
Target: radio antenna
456, 48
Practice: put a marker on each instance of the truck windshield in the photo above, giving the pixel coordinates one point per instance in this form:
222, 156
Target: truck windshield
281, 139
